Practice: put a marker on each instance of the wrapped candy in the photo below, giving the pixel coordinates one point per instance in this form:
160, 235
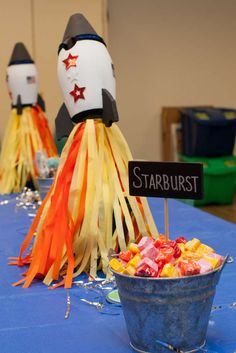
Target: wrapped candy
169, 270
116, 265
135, 260
144, 243
171, 247
204, 249
146, 271
130, 270
216, 256
193, 244
159, 241
181, 240
214, 261
126, 255
191, 255
134, 248
148, 262
163, 258
205, 266
189, 268
170, 258
150, 251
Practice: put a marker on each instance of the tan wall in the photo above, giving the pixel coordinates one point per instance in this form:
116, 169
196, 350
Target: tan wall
40, 24
15, 25
170, 52
166, 52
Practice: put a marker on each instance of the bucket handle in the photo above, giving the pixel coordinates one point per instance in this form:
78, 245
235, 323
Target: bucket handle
229, 259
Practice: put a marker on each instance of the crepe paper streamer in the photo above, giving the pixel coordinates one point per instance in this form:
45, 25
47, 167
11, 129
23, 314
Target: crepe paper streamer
25, 135
88, 209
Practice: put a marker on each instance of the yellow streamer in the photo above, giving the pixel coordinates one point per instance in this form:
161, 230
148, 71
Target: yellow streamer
25, 135
99, 186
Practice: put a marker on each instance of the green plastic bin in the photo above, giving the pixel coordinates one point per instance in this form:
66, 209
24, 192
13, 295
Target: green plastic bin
219, 179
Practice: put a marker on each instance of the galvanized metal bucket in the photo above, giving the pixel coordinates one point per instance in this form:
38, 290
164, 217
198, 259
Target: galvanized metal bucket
44, 186
166, 312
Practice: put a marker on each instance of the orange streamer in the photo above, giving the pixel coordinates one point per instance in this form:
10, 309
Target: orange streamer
57, 229
41, 124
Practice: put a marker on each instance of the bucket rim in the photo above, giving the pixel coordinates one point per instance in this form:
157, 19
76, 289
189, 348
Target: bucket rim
191, 351
40, 178
218, 269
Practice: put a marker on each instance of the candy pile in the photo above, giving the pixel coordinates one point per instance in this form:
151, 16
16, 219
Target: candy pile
166, 258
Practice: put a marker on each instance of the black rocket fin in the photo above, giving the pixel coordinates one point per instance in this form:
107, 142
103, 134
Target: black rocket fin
41, 102
63, 122
19, 105
110, 113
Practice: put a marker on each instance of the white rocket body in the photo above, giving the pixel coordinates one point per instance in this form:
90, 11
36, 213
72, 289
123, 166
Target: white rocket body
22, 79
92, 73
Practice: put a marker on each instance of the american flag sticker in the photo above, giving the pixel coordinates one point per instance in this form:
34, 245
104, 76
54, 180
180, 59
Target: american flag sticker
30, 79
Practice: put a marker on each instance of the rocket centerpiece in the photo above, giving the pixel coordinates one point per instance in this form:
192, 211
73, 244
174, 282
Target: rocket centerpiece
88, 210
82, 82
22, 77
86, 76
87, 64
27, 130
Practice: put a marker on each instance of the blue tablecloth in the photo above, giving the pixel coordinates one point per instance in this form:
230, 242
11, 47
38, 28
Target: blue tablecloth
32, 320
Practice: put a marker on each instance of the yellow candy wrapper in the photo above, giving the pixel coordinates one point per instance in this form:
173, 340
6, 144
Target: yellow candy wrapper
134, 248
213, 261
135, 260
130, 270
169, 270
116, 265
193, 244
204, 249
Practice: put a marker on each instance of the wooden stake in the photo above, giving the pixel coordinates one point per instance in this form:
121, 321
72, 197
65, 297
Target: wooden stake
166, 218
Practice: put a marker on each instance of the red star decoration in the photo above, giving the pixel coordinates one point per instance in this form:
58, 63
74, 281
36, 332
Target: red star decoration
77, 93
70, 61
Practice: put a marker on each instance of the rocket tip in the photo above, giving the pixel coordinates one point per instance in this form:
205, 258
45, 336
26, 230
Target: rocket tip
78, 25
20, 55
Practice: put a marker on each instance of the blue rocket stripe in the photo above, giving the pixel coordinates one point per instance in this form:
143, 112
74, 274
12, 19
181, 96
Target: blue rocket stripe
74, 39
17, 62
89, 36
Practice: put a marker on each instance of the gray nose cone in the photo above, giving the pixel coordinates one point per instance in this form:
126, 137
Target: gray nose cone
20, 55
76, 26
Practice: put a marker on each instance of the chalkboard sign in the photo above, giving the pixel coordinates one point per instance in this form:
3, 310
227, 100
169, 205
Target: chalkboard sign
166, 179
